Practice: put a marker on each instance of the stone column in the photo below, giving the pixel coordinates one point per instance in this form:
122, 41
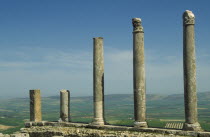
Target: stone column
65, 105
139, 74
191, 121
35, 105
98, 81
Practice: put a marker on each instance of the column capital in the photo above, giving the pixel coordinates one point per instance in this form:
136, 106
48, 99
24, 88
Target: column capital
137, 27
188, 18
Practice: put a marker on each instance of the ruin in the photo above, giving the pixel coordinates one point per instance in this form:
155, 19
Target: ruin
98, 81
189, 72
35, 105
65, 105
139, 74
64, 127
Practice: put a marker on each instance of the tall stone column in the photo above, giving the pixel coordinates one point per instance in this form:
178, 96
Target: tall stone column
139, 74
35, 105
191, 120
65, 105
98, 81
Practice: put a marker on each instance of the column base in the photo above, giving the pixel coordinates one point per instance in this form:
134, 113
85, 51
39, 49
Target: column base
140, 124
65, 120
192, 127
97, 122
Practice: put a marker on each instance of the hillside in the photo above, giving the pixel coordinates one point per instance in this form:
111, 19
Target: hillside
118, 110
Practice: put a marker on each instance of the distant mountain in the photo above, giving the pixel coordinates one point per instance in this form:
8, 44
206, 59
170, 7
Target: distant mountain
175, 97
149, 97
204, 96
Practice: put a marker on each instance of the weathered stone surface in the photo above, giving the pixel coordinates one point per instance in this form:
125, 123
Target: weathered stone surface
137, 25
98, 81
20, 135
28, 124
65, 105
35, 105
15, 135
192, 127
41, 123
139, 74
188, 18
190, 96
84, 130
4, 135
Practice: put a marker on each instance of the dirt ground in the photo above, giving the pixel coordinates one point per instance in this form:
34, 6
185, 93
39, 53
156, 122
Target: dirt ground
3, 127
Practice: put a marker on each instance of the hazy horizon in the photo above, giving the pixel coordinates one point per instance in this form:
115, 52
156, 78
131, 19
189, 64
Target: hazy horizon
163, 94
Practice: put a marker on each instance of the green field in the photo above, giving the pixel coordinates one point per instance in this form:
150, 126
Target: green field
118, 110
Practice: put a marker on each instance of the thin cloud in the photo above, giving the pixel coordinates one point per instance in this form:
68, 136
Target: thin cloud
52, 70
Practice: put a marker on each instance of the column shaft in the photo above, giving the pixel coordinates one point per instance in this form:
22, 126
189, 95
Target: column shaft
139, 74
35, 105
98, 81
65, 105
190, 96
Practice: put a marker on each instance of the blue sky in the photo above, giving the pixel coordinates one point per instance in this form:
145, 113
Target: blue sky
48, 45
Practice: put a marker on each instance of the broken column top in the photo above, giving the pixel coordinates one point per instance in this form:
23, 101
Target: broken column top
137, 27
64, 90
98, 38
188, 17
34, 89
